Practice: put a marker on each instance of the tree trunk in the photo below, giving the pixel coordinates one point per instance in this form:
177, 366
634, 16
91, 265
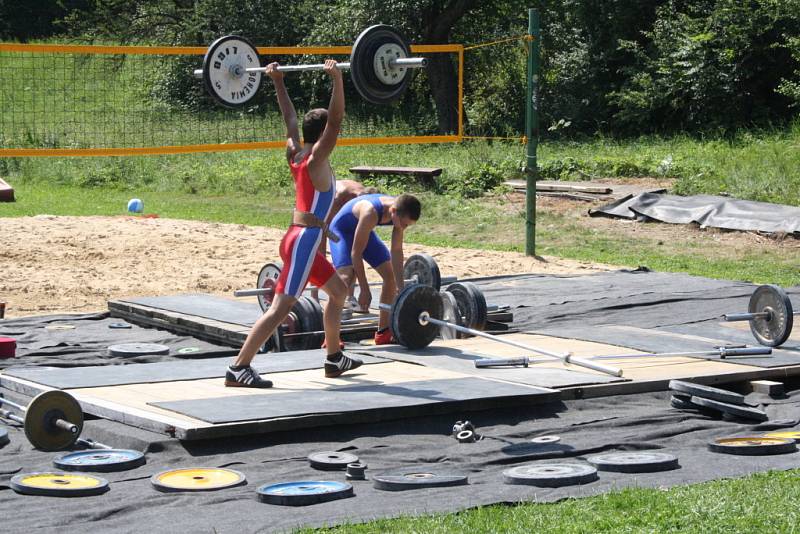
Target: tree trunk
441, 69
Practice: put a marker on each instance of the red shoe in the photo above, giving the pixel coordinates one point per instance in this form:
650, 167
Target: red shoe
325, 344
384, 337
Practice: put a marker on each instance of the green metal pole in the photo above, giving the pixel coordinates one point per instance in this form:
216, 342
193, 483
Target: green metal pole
532, 131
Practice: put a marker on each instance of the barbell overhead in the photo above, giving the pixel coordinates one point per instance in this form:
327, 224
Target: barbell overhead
53, 419
770, 315
379, 67
416, 317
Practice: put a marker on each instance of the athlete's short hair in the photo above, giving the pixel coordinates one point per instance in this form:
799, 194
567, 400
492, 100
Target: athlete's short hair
408, 206
314, 124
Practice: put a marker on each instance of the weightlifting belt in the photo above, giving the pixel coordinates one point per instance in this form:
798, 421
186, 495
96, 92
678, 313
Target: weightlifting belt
309, 220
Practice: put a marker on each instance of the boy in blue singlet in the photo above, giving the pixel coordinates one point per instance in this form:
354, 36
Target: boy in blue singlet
355, 226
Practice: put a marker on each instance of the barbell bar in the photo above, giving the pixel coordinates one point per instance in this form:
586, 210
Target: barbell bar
379, 66
770, 315
53, 419
418, 307
264, 291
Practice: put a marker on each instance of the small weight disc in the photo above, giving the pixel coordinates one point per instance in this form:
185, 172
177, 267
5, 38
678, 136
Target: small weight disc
304, 492
451, 315
466, 436
59, 484
416, 478
4, 437
60, 327
268, 279
776, 329
423, 269
788, 434
550, 475
752, 445
732, 409
197, 479
188, 350
102, 461
409, 304
224, 72
699, 390
120, 326
41, 415
545, 440
369, 51
137, 349
331, 460
471, 304
634, 462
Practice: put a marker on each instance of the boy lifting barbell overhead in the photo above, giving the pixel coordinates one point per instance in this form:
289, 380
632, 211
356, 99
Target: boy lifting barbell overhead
315, 188
354, 226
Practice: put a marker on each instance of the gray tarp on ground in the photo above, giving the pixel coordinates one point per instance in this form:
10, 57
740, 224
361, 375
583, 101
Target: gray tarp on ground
706, 210
630, 422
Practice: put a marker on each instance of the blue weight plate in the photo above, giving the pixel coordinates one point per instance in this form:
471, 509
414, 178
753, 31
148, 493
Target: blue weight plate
100, 460
304, 492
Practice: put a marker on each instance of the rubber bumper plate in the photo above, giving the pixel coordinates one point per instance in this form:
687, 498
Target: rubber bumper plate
197, 479
634, 462
103, 461
417, 477
303, 493
731, 409
753, 445
331, 460
59, 484
550, 475
137, 349
706, 392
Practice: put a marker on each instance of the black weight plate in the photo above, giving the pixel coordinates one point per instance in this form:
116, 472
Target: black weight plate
682, 403
417, 477
634, 462
423, 269
450, 314
752, 445
550, 475
101, 461
304, 492
40, 417
331, 460
732, 409
699, 390
137, 349
305, 316
4, 437
409, 304
775, 330
59, 484
471, 304
223, 55
362, 64
268, 278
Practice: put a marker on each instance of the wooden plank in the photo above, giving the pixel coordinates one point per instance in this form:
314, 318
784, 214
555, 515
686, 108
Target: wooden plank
428, 171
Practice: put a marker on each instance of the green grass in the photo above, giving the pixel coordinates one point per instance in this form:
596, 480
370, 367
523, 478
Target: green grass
765, 502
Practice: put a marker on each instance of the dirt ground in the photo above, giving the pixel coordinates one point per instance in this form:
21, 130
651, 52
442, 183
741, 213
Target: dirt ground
54, 264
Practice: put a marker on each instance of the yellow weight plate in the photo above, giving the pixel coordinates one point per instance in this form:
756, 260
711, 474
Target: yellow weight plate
789, 434
197, 479
750, 441
59, 484
753, 445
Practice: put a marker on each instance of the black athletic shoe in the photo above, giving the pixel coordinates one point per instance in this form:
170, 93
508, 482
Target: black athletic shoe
338, 363
245, 377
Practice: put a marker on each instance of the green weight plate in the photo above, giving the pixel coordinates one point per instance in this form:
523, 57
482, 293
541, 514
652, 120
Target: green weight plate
776, 329
471, 304
59, 484
197, 479
102, 461
223, 71
422, 269
41, 415
409, 304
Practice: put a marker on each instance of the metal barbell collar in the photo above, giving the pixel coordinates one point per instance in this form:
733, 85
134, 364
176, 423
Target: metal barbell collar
566, 357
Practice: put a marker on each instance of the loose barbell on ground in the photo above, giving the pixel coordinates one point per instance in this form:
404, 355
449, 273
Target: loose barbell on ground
379, 66
416, 318
770, 315
53, 419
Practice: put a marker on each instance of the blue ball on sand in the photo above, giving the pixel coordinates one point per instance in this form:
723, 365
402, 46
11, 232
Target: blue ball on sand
135, 205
